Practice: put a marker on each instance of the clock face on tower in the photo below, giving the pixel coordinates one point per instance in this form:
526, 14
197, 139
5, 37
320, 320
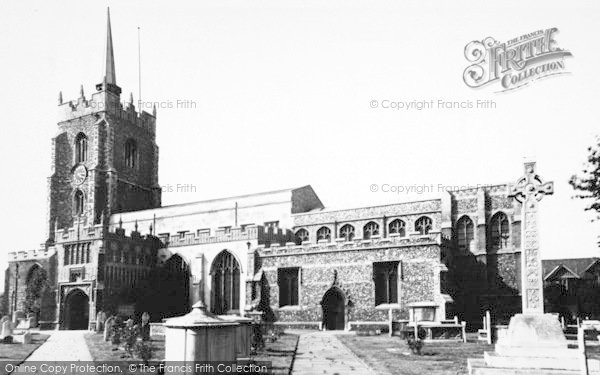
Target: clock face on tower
79, 175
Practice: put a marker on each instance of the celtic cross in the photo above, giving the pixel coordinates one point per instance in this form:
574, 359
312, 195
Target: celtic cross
528, 191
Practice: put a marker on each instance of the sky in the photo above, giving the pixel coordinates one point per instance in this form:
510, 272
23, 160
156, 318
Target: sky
261, 95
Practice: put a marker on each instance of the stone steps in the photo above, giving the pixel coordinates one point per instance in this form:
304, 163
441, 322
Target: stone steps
562, 362
478, 367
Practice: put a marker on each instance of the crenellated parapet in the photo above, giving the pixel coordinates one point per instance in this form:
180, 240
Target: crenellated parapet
340, 244
97, 232
105, 102
36, 254
79, 233
258, 233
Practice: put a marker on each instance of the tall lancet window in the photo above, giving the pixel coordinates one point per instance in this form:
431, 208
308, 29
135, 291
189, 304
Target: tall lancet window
81, 148
464, 233
79, 202
499, 231
130, 153
225, 274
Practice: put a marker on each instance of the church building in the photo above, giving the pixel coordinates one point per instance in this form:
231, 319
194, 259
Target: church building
111, 246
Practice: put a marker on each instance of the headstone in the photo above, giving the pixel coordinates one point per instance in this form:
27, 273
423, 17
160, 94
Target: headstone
32, 320
100, 318
145, 327
108, 325
17, 315
7, 328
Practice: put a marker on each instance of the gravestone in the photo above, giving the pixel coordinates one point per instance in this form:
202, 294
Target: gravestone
534, 342
108, 325
6, 329
100, 318
27, 337
145, 327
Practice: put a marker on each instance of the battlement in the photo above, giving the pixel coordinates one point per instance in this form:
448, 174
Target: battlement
340, 244
16, 256
258, 233
92, 233
103, 102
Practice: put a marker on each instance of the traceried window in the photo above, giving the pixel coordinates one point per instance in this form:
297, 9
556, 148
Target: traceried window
385, 276
225, 274
499, 231
397, 227
287, 280
79, 202
347, 232
130, 153
302, 236
80, 148
370, 230
324, 233
464, 233
423, 225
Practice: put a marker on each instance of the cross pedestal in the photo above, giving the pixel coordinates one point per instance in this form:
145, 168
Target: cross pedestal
534, 342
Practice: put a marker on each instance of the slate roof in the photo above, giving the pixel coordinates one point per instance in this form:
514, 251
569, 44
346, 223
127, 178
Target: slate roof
578, 266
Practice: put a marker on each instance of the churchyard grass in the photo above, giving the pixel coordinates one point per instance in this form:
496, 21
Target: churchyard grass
280, 353
390, 355
103, 350
17, 353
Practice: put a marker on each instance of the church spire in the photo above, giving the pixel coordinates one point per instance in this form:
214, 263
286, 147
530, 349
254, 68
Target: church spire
110, 76
109, 81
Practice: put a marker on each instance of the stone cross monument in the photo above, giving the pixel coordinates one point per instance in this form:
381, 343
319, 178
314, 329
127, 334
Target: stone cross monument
529, 190
534, 342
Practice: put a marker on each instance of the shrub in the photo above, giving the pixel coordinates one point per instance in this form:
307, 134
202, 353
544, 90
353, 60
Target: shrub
415, 345
143, 350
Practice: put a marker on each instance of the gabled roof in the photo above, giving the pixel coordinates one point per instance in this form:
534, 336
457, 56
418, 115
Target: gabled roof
576, 266
591, 265
556, 272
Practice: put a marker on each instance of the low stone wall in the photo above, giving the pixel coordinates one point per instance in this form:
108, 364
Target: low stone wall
157, 329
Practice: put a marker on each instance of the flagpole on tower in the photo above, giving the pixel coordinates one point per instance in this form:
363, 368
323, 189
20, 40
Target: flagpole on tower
140, 107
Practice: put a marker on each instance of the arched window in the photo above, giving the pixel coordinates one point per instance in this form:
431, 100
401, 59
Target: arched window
464, 233
79, 201
80, 148
225, 283
347, 232
423, 225
130, 153
397, 227
301, 236
499, 231
370, 230
324, 233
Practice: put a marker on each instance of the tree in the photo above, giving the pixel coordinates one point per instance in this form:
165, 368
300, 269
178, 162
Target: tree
587, 184
36, 285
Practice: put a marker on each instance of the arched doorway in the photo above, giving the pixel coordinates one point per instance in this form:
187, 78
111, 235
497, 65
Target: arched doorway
77, 307
333, 304
176, 286
225, 278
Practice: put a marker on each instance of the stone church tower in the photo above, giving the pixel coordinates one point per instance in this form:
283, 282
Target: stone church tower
104, 158
104, 161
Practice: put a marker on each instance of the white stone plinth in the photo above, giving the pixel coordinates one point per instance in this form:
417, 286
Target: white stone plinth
532, 344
